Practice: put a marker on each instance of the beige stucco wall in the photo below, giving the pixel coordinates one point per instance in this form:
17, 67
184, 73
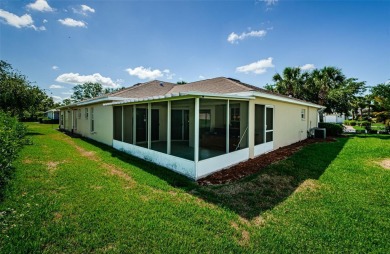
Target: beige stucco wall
288, 125
103, 117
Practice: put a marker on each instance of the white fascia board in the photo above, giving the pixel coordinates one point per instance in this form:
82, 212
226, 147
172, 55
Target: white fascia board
184, 95
219, 95
280, 98
99, 100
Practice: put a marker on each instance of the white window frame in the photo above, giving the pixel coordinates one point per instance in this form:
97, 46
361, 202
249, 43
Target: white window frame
303, 114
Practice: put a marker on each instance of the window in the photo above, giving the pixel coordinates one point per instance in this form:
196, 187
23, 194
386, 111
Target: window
79, 113
92, 121
62, 119
303, 114
86, 113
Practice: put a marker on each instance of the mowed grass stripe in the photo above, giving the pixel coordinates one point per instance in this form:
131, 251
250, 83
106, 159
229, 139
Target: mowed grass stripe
72, 195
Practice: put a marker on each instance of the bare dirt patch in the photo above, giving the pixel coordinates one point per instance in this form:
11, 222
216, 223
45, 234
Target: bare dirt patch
308, 185
52, 165
252, 166
245, 237
385, 163
27, 161
57, 216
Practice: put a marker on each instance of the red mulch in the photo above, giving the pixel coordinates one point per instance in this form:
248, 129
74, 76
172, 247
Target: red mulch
252, 166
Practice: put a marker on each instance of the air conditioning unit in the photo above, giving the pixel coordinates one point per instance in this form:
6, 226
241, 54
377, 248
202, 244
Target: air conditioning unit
320, 133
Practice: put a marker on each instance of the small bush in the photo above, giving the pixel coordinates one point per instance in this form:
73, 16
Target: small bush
352, 123
331, 129
347, 122
12, 135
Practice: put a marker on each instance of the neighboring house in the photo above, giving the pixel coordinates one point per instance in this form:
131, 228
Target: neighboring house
334, 118
194, 129
53, 114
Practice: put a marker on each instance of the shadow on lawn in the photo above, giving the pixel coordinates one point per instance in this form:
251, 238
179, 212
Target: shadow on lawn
255, 194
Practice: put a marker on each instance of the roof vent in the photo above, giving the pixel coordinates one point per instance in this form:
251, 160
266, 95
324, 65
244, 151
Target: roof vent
161, 84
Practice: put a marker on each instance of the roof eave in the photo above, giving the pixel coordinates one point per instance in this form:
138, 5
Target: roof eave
284, 99
181, 95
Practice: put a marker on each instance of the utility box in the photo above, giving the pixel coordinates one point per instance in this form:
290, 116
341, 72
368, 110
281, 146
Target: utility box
320, 133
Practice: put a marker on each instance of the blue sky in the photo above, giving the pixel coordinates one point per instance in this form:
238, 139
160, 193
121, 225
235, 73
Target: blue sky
58, 44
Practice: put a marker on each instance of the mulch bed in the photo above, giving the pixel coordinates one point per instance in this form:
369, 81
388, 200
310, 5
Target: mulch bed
252, 166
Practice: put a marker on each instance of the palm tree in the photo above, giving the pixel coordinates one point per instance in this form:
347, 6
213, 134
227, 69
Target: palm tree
291, 83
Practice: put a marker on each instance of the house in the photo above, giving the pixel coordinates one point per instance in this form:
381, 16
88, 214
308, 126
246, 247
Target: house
194, 129
52, 114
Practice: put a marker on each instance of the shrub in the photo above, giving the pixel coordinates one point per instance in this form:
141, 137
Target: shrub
364, 123
12, 134
332, 129
347, 122
352, 123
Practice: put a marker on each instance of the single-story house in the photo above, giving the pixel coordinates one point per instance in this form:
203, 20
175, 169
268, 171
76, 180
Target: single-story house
53, 114
194, 129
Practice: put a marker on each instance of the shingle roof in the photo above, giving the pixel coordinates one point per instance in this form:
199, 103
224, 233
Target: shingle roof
215, 85
141, 90
220, 85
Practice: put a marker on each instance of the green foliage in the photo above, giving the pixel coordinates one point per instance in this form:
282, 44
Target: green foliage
332, 129
327, 87
12, 135
381, 94
86, 91
18, 96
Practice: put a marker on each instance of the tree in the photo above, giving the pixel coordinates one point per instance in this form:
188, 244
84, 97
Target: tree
86, 91
381, 94
327, 87
181, 82
18, 97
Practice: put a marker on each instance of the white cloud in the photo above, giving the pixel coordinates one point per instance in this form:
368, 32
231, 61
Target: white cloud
233, 37
55, 87
19, 22
76, 78
168, 74
55, 67
67, 93
269, 2
45, 21
202, 77
83, 10
145, 73
16, 21
258, 67
56, 98
40, 5
307, 67
72, 22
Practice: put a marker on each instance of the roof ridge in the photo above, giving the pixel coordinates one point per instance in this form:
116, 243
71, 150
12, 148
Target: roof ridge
132, 87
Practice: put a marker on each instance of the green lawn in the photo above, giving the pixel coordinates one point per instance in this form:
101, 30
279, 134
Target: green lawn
71, 195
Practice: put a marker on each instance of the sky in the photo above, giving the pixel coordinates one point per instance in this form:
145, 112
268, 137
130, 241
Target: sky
118, 43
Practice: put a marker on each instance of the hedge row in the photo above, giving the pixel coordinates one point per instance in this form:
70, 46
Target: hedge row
332, 129
12, 139
354, 123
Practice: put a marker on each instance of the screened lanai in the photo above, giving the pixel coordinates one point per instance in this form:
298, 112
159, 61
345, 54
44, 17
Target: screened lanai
170, 126
194, 128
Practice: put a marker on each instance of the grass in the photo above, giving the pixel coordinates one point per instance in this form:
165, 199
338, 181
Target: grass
75, 196
374, 126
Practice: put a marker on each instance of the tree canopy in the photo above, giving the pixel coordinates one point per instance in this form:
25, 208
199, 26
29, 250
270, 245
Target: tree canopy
328, 87
87, 91
18, 96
